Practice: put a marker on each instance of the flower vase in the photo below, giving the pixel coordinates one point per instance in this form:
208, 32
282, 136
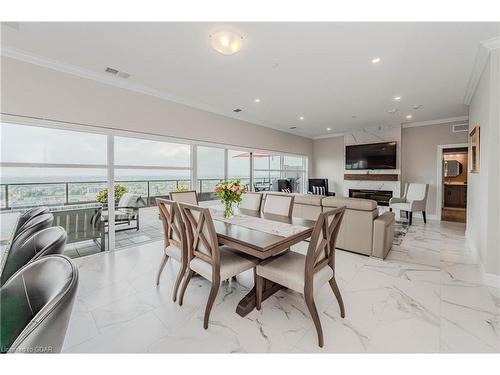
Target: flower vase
228, 209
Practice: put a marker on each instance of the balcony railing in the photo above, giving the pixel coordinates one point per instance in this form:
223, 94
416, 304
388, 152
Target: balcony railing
24, 195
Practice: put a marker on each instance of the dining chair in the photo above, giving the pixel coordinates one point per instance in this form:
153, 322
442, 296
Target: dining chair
28, 215
251, 201
175, 239
278, 204
36, 305
48, 241
306, 274
190, 197
206, 257
414, 200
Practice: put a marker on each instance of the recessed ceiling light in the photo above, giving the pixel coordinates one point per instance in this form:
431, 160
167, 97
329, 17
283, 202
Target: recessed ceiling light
301, 118
397, 98
226, 42
409, 116
376, 60
328, 129
256, 100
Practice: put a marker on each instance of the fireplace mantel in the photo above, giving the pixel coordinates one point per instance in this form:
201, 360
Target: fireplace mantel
371, 177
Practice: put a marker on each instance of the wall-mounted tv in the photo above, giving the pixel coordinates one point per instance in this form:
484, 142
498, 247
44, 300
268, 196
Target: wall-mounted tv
371, 156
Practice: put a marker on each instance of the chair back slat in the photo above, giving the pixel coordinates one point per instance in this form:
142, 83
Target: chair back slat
174, 230
321, 251
201, 234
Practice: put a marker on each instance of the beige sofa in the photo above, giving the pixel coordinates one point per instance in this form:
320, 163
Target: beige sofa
362, 230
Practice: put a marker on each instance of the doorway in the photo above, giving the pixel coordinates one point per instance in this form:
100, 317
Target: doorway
453, 178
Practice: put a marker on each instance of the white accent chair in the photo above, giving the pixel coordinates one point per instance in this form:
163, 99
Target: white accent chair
251, 201
278, 204
414, 200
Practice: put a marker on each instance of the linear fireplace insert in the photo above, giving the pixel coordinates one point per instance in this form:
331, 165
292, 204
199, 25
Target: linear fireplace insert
381, 196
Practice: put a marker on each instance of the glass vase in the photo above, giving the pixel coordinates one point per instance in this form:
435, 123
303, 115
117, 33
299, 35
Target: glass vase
228, 209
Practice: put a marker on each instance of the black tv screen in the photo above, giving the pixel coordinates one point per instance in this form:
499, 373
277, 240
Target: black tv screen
371, 156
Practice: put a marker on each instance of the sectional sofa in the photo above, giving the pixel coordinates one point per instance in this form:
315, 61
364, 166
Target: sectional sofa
363, 229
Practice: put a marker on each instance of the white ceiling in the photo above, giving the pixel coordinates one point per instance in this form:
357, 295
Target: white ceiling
321, 71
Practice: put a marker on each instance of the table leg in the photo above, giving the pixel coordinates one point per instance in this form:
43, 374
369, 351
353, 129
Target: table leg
247, 304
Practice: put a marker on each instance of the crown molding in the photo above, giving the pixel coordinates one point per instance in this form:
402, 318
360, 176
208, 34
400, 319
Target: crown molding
333, 135
440, 121
104, 78
484, 49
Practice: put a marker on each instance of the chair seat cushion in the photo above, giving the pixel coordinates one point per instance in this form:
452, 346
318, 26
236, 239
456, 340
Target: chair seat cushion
401, 206
120, 214
174, 252
231, 264
289, 270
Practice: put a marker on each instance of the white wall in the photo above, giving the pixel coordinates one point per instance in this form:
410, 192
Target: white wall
35, 91
328, 162
484, 188
419, 156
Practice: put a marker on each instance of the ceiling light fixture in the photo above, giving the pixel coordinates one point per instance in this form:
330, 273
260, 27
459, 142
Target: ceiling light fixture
409, 116
328, 129
397, 98
376, 60
256, 100
301, 118
226, 42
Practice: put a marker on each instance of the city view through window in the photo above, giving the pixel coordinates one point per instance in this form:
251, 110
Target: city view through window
47, 166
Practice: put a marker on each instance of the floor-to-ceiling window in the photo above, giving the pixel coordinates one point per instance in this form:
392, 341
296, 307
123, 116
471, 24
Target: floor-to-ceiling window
268, 168
210, 163
238, 166
62, 169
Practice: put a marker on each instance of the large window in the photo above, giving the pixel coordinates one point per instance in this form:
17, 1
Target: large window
269, 168
152, 168
210, 169
44, 166
238, 166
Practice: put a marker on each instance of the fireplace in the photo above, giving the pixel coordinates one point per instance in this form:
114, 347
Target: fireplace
381, 196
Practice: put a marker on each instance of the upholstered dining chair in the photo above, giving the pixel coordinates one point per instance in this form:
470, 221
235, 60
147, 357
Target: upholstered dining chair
306, 274
36, 304
175, 239
206, 257
414, 200
48, 241
28, 215
251, 201
190, 197
278, 204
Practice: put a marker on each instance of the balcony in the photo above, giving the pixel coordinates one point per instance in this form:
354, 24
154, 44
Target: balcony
73, 205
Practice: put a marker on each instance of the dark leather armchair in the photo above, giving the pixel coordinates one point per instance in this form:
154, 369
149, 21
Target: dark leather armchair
36, 304
28, 215
32, 226
48, 241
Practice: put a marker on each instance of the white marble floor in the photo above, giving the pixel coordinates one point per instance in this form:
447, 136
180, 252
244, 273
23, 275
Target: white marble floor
425, 297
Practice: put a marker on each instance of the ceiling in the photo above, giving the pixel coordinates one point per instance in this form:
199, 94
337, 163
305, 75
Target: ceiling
321, 71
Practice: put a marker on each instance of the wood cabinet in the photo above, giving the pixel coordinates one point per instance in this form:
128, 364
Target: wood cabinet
455, 195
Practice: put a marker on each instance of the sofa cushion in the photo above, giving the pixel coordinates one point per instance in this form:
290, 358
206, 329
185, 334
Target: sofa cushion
309, 199
350, 203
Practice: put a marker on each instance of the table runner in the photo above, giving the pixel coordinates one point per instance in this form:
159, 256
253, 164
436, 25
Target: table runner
260, 224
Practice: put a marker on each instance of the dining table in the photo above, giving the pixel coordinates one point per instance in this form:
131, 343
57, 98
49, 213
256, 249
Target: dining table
261, 235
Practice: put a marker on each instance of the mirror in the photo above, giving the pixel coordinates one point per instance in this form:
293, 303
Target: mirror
452, 168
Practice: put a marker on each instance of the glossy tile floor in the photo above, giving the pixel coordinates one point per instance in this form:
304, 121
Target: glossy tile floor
425, 297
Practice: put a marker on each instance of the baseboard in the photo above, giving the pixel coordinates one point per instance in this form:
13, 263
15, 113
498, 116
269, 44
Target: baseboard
488, 279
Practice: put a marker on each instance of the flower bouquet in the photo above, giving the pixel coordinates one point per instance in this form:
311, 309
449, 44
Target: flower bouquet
229, 192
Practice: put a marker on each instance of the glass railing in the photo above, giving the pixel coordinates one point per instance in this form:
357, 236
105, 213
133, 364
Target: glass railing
24, 195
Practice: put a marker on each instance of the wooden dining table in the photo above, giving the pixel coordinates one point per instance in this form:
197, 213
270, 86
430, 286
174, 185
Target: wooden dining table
260, 241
